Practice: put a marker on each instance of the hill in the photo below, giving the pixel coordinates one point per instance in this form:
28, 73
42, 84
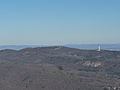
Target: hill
58, 68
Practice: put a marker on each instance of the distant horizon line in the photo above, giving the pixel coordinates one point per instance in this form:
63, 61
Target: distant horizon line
59, 44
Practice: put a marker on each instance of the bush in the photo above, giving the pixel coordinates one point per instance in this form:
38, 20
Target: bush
106, 89
60, 68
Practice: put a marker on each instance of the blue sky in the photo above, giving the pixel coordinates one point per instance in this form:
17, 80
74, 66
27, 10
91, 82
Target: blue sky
59, 21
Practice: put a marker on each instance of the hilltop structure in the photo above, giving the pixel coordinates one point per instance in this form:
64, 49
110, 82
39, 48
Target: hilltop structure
99, 48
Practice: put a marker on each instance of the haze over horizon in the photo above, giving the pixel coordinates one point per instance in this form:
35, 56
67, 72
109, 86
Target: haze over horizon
59, 21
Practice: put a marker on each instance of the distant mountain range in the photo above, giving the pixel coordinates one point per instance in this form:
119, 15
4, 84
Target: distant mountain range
114, 47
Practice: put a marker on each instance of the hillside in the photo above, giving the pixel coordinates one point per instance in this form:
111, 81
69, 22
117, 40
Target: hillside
58, 68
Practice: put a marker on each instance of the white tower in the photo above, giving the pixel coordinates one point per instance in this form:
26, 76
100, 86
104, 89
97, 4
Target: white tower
99, 48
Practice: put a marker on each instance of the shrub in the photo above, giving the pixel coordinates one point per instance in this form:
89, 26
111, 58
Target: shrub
60, 68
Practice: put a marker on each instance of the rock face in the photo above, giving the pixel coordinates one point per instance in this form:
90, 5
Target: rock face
58, 68
92, 64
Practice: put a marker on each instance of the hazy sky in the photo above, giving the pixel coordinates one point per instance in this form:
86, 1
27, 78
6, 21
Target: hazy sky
59, 21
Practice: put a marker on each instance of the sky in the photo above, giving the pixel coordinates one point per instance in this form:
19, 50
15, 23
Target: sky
59, 21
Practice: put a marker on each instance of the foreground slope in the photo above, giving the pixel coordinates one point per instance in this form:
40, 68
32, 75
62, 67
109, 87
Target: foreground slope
58, 68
